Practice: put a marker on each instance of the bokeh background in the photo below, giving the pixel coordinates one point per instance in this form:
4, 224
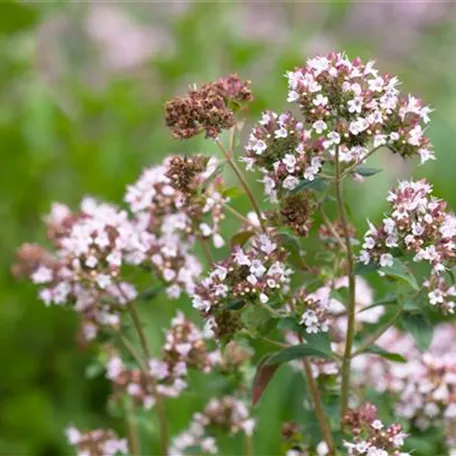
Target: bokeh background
82, 87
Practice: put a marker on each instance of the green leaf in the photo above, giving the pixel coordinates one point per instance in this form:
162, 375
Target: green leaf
420, 329
399, 271
151, 293
289, 324
366, 171
387, 301
318, 184
376, 350
265, 327
319, 341
292, 245
233, 192
296, 352
16, 17
361, 268
241, 237
236, 304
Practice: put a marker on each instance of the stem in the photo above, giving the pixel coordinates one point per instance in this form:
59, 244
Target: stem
378, 333
355, 165
346, 363
321, 417
275, 342
133, 441
242, 181
161, 414
332, 229
142, 336
206, 251
248, 445
237, 214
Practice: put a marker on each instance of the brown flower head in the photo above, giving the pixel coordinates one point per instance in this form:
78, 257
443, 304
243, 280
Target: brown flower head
208, 108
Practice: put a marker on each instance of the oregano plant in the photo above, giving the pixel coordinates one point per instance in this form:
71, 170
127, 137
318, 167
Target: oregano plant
361, 318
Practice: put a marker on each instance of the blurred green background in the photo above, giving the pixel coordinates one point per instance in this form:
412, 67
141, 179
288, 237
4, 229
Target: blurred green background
82, 87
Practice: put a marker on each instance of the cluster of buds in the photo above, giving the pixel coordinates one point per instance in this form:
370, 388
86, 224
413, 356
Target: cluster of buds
83, 270
227, 414
284, 152
370, 436
99, 442
418, 223
349, 105
254, 273
295, 212
209, 108
180, 197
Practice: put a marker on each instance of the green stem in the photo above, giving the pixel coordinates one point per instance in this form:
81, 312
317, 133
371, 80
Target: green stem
352, 168
133, 441
161, 414
242, 181
346, 363
378, 333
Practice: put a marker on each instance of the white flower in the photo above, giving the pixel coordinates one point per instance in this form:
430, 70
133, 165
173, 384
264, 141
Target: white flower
320, 100
264, 298
290, 183
42, 275
319, 126
386, 260
281, 133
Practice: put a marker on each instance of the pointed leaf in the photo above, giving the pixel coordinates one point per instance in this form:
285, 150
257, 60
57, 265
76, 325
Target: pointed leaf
296, 352
387, 301
241, 238
292, 245
376, 350
361, 268
318, 184
399, 271
420, 328
366, 171
319, 341
236, 304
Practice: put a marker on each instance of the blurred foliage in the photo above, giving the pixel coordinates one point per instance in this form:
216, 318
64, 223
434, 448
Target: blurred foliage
75, 121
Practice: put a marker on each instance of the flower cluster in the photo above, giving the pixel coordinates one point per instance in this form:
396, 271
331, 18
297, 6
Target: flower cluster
370, 436
419, 223
173, 205
185, 344
321, 311
184, 348
351, 105
285, 153
226, 414
254, 273
90, 247
424, 388
99, 442
179, 196
208, 108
